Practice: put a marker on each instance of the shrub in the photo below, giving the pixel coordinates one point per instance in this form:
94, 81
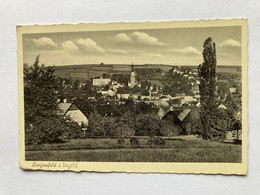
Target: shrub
216, 134
156, 141
147, 125
124, 130
121, 141
54, 130
134, 141
169, 129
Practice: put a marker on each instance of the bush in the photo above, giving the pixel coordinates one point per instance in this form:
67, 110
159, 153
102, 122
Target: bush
134, 141
124, 130
216, 134
147, 125
121, 141
156, 141
169, 129
51, 130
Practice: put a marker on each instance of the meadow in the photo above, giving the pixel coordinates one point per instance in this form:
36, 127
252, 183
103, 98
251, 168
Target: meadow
108, 150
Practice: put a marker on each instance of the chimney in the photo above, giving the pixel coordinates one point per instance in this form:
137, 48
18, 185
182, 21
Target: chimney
64, 100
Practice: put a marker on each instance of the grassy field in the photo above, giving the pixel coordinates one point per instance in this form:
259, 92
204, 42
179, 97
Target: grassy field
107, 150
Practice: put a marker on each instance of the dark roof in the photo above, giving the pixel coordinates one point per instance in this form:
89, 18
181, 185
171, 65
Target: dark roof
175, 101
180, 114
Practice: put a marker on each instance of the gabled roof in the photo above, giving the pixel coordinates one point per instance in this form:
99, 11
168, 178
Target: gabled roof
183, 114
165, 109
64, 107
180, 114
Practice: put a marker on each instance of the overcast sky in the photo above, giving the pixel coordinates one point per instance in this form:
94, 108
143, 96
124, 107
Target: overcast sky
176, 46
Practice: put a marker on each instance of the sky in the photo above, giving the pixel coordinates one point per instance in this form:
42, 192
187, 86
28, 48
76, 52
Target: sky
174, 46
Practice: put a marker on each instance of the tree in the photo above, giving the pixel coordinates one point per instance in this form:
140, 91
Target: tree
96, 124
147, 125
40, 92
237, 126
42, 122
168, 129
207, 87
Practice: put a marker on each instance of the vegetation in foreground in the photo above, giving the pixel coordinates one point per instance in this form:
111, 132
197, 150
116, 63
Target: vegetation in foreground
109, 150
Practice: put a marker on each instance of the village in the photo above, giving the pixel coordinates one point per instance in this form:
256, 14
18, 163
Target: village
167, 99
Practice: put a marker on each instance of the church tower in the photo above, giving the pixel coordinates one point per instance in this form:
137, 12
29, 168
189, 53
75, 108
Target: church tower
132, 77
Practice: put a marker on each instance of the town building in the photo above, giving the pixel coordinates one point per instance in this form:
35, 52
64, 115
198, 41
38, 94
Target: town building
132, 82
183, 118
123, 95
232, 90
72, 111
101, 81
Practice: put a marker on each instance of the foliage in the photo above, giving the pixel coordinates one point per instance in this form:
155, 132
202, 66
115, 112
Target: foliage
146, 124
124, 130
42, 122
207, 87
175, 83
121, 141
196, 126
136, 90
169, 129
156, 141
121, 78
55, 131
134, 141
40, 92
124, 90
109, 126
237, 125
129, 107
96, 124
142, 107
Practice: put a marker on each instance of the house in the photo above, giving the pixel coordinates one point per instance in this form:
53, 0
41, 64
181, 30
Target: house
176, 103
188, 100
72, 111
123, 95
108, 92
109, 109
99, 81
222, 106
183, 118
161, 112
232, 90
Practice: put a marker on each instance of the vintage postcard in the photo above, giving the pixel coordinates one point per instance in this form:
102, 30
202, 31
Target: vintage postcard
161, 97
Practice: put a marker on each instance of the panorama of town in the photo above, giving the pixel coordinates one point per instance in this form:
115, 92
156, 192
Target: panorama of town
167, 92
134, 112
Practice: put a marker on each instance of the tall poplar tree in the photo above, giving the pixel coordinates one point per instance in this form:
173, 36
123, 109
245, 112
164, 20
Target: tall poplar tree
207, 87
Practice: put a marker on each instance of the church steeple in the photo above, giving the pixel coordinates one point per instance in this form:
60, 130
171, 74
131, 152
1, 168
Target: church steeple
132, 77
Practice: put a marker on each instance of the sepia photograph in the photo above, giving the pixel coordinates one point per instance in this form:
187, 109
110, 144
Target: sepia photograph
134, 97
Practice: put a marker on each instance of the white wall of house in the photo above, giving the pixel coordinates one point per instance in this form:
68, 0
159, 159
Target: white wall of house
101, 81
123, 96
77, 116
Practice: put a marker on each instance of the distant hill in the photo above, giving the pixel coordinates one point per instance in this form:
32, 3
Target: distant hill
87, 71
93, 70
